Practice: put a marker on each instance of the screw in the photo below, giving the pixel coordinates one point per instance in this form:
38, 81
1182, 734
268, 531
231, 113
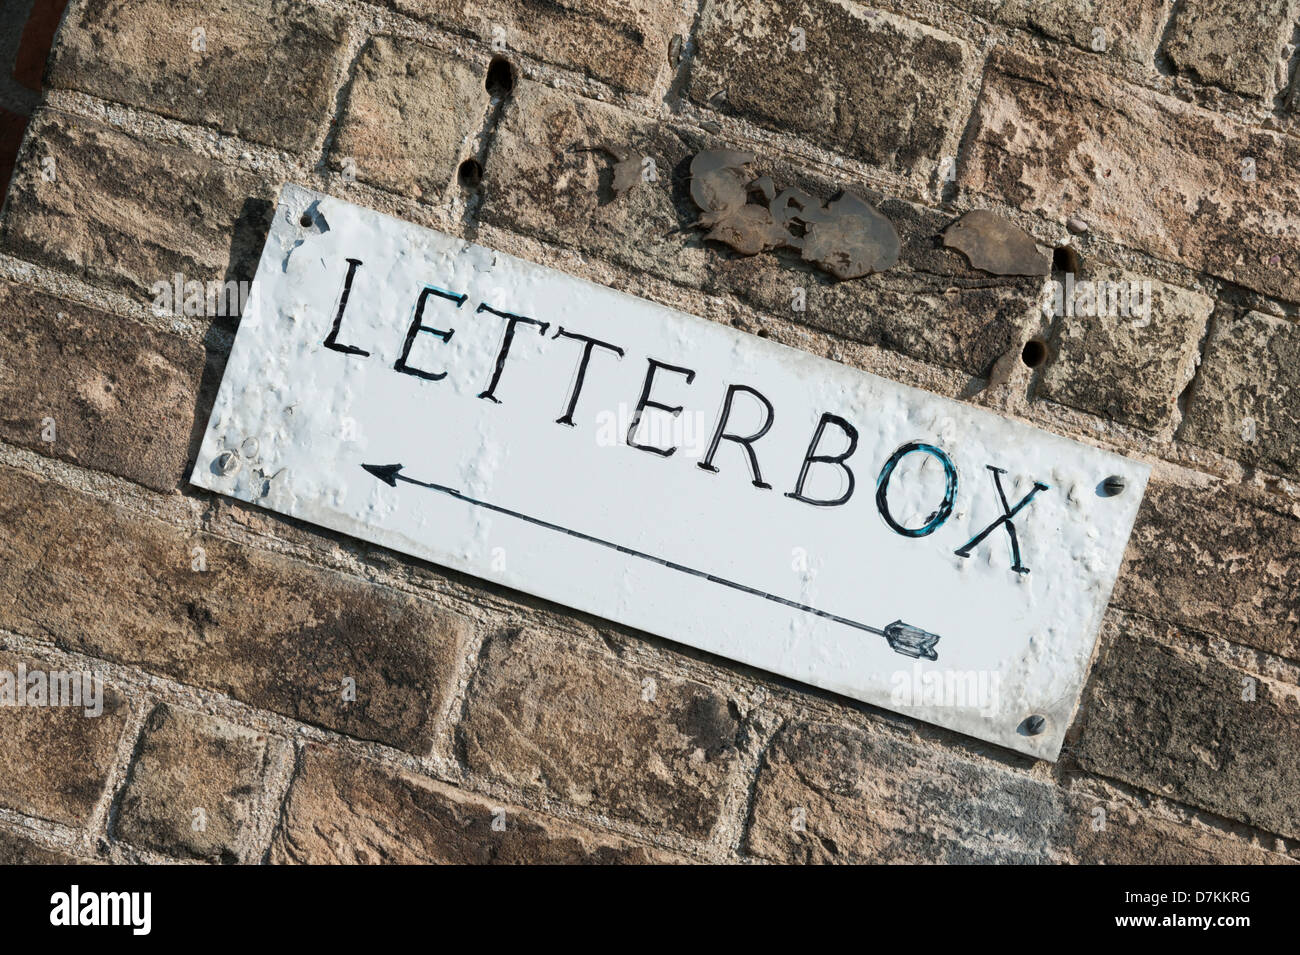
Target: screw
1035, 724
1113, 485
228, 463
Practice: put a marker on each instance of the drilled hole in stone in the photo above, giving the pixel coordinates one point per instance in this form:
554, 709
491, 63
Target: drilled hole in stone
1066, 259
500, 76
305, 220
470, 174
1034, 353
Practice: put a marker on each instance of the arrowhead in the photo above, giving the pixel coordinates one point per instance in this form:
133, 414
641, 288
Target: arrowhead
911, 641
385, 472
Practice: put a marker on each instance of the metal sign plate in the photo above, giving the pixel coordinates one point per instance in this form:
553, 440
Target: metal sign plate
669, 473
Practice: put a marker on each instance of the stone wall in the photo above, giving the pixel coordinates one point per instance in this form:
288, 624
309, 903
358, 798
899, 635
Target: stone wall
491, 727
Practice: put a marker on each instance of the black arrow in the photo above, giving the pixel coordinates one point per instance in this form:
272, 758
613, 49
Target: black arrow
902, 637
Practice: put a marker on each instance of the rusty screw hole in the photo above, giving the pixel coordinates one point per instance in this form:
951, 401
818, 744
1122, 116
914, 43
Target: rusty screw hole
470, 174
1034, 353
500, 77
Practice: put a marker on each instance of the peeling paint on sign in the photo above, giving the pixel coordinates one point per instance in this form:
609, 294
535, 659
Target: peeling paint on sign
672, 474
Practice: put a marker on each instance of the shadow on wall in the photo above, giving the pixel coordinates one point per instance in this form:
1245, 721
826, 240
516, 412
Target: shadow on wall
27, 29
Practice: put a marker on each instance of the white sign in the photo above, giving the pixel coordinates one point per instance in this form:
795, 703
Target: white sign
669, 473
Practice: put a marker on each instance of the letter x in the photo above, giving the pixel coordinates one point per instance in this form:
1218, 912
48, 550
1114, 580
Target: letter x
1007, 513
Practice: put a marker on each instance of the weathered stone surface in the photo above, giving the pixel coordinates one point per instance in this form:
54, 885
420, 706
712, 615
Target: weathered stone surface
665, 760
967, 325
1246, 400
55, 760
1125, 835
273, 632
1206, 560
193, 787
1128, 28
1236, 44
931, 306
830, 793
123, 397
1143, 169
1124, 364
840, 794
544, 178
621, 42
1174, 722
410, 114
123, 212
262, 69
19, 849
12, 127
869, 84
344, 810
